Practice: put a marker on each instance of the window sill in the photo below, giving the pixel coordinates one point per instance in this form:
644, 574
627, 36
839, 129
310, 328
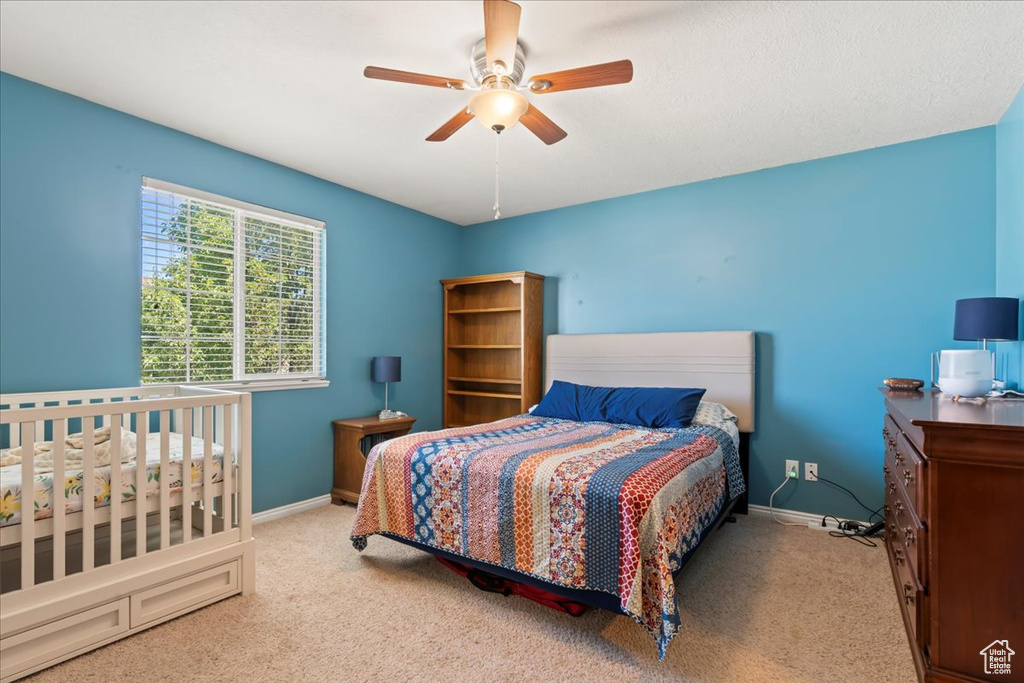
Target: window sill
258, 385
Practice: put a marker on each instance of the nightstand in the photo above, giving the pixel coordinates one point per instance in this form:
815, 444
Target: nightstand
353, 439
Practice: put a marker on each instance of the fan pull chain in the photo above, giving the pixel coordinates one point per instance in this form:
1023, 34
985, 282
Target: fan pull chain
497, 191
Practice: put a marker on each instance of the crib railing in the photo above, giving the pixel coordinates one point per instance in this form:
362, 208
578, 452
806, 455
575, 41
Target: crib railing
100, 533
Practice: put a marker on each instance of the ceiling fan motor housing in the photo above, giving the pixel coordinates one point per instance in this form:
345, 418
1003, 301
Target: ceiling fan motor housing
481, 71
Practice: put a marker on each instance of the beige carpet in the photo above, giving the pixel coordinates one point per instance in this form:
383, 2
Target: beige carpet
760, 602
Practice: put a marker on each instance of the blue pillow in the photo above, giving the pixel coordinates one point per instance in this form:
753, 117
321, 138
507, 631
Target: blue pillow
641, 406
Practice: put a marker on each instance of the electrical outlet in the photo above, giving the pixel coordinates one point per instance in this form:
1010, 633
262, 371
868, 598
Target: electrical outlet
811, 471
792, 469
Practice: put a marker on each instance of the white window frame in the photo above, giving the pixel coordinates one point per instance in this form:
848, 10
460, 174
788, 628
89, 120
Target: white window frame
261, 382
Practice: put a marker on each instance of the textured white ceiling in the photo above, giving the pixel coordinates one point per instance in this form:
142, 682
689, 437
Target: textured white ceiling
720, 87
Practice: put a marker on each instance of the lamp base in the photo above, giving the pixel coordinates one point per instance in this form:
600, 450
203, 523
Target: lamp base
390, 414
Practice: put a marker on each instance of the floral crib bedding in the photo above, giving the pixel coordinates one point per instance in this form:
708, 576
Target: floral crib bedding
592, 506
10, 475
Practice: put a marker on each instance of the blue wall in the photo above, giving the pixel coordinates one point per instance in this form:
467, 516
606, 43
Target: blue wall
69, 273
847, 267
1010, 225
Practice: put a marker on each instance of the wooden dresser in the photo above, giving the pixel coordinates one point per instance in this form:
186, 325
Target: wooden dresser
954, 515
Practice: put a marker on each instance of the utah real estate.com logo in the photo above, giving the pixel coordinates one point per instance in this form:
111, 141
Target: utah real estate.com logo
997, 657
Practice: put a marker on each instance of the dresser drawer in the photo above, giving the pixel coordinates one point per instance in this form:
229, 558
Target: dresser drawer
890, 430
903, 526
910, 593
909, 468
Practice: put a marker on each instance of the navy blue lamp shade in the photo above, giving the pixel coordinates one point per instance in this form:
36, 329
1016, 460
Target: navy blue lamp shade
991, 318
386, 369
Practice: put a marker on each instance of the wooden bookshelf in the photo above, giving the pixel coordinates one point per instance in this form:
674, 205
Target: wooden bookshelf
492, 337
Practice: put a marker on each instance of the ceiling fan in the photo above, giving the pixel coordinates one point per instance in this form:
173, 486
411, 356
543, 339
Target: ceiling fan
497, 64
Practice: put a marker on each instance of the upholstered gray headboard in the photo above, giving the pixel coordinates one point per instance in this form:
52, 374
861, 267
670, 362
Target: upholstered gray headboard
721, 362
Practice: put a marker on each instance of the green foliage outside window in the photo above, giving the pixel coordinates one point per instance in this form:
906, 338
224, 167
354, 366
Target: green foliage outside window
189, 297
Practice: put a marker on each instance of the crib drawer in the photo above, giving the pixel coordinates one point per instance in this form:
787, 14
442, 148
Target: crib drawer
62, 638
187, 593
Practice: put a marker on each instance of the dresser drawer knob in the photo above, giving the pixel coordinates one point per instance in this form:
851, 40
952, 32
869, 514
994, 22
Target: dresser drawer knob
892, 487
908, 477
897, 555
908, 535
899, 507
908, 593
885, 468
886, 509
897, 456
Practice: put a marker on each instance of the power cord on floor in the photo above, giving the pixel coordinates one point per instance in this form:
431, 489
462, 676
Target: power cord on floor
771, 505
874, 513
851, 529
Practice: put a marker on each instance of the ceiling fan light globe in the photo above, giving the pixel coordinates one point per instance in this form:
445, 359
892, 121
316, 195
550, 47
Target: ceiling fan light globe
498, 107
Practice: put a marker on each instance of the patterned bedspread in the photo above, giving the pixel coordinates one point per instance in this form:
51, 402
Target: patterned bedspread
591, 506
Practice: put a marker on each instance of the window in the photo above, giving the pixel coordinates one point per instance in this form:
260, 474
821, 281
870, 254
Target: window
231, 292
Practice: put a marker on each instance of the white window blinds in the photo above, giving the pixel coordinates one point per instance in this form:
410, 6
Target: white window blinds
231, 292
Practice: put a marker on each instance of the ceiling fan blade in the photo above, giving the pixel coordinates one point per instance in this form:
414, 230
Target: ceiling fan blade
383, 74
611, 73
450, 126
501, 32
541, 126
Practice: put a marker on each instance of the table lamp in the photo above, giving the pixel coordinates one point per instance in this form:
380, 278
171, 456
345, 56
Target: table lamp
386, 369
984, 319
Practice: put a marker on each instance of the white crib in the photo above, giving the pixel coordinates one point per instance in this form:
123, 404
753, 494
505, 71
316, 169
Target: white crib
127, 558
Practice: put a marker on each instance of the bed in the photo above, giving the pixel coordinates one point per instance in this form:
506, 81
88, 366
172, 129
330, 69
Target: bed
603, 514
119, 539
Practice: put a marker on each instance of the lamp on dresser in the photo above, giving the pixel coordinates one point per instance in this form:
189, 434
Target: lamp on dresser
985, 319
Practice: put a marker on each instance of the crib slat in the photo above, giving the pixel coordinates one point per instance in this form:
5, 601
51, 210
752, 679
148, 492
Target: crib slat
88, 494
218, 424
226, 415
142, 432
185, 427
59, 500
165, 479
115, 490
28, 504
197, 427
14, 434
207, 470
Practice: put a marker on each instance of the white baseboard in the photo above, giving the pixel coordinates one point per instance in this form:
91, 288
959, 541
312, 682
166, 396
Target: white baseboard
291, 509
794, 516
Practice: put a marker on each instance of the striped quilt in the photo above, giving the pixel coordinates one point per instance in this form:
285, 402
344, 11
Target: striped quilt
590, 506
